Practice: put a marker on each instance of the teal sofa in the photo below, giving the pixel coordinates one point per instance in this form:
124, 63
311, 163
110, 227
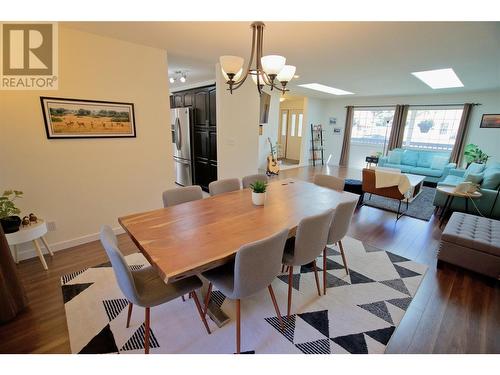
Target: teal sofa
434, 165
488, 179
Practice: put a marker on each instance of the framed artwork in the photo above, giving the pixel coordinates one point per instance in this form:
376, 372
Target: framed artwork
75, 118
490, 121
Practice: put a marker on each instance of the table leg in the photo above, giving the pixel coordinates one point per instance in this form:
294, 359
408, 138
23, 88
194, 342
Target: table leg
16, 254
214, 312
40, 255
443, 209
446, 209
466, 204
47, 246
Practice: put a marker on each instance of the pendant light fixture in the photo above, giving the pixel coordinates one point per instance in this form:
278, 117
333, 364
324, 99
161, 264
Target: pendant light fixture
267, 70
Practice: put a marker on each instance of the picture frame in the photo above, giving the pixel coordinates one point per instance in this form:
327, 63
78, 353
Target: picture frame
490, 121
81, 118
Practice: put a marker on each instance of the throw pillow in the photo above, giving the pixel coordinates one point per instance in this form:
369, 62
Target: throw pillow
475, 178
394, 157
491, 179
439, 162
425, 159
410, 157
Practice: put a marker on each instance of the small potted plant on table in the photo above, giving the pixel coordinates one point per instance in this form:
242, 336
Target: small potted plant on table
258, 192
8, 211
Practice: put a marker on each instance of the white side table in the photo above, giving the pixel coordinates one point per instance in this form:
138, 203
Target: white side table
32, 233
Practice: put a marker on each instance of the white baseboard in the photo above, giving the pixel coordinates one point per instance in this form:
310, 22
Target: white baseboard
27, 250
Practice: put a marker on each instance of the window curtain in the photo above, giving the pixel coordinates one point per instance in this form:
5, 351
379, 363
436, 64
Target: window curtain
398, 127
344, 155
458, 148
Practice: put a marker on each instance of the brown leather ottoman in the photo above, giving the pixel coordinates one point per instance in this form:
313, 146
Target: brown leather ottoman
472, 242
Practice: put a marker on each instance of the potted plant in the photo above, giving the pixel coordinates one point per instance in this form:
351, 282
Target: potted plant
258, 192
473, 154
425, 125
8, 211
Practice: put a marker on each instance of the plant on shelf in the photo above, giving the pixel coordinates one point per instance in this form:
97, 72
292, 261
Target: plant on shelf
8, 211
473, 154
425, 125
258, 192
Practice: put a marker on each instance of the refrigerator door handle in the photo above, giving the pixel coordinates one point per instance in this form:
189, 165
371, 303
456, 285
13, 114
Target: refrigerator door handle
178, 138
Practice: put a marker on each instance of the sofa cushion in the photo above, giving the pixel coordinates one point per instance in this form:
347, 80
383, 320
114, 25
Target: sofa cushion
474, 168
451, 180
491, 178
479, 233
425, 159
475, 178
395, 157
426, 171
410, 157
439, 162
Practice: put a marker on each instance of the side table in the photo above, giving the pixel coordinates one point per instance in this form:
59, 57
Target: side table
32, 232
450, 195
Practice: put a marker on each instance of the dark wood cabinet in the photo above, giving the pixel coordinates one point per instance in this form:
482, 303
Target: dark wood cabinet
202, 100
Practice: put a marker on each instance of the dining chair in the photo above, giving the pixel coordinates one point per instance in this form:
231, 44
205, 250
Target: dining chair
223, 186
310, 240
254, 268
180, 195
328, 181
144, 287
249, 180
340, 225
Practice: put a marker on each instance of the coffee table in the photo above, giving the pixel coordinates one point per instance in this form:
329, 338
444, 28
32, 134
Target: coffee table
416, 182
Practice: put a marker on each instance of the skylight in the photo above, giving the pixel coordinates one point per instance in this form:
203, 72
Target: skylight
439, 78
327, 89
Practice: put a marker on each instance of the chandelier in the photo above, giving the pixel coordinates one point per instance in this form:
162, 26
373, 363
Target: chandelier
268, 70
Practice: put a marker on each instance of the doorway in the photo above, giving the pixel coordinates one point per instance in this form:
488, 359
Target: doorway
290, 131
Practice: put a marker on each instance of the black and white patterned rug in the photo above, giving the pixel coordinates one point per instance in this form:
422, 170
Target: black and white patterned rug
359, 313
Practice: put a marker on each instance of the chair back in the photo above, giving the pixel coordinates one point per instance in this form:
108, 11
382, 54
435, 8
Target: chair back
341, 221
311, 237
223, 186
330, 182
120, 266
257, 264
249, 180
180, 195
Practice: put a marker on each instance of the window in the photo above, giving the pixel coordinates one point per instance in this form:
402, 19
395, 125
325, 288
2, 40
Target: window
432, 128
371, 126
292, 132
299, 130
284, 117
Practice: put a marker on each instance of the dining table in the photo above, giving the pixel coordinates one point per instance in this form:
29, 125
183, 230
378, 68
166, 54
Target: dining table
193, 237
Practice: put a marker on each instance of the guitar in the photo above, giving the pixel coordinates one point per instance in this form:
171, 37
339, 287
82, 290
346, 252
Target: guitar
273, 166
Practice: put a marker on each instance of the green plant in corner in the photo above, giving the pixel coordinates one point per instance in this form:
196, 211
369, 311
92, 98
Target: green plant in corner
473, 154
7, 205
259, 187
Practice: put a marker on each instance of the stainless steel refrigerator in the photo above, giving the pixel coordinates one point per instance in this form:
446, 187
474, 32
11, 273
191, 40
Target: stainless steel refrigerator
181, 144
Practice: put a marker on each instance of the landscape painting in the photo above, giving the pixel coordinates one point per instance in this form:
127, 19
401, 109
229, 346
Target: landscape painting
74, 118
490, 121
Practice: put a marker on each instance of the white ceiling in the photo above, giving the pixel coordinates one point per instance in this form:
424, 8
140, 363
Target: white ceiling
367, 58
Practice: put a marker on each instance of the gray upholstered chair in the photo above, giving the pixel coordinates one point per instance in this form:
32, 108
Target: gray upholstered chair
310, 240
339, 228
223, 186
144, 287
328, 181
248, 180
180, 195
254, 268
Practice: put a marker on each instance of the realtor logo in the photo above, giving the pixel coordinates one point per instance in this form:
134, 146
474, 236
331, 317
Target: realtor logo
28, 56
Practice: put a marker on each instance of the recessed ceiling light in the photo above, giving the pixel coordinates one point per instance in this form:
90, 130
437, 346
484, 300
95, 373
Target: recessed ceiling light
327, 89
296, 76
439, 78
172, 80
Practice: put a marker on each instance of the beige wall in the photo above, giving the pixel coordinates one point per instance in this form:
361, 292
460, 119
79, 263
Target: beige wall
84, 183
237, 128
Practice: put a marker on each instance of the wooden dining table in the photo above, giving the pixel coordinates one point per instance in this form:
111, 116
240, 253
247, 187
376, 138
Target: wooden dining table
193, 237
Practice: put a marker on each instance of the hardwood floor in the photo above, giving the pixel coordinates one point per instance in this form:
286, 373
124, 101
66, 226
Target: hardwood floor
454, 311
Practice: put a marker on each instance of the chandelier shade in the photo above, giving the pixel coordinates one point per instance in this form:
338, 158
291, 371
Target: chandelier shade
269, 70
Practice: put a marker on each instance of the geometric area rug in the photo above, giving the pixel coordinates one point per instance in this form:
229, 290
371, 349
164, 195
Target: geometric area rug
358, 315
